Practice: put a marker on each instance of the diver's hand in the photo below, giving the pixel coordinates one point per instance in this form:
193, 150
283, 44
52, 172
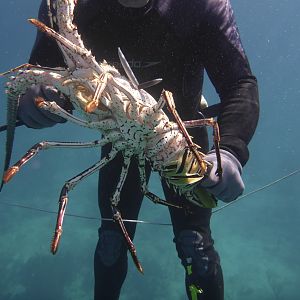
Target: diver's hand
35, 117
231, 185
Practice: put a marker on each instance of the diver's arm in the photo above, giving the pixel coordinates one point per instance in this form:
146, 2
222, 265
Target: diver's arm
45, 51
228, 68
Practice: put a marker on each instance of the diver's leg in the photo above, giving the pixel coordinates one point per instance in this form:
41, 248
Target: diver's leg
110, 260
194, 244
110, 265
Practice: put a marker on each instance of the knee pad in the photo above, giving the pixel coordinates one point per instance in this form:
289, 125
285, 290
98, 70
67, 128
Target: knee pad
194, 256
110, 246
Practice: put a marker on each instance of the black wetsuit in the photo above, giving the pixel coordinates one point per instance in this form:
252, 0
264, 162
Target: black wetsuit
174, 40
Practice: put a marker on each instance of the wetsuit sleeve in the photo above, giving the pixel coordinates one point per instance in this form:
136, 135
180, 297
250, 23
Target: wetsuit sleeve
227, 66
45, 51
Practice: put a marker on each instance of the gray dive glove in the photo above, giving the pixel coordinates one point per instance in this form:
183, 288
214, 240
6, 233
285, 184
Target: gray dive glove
34, 117
231, 185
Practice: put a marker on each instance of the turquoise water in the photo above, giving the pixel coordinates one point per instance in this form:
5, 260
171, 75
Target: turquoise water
257, 238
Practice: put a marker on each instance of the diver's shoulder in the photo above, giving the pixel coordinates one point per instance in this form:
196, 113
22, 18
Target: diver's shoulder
218, 9
193, 8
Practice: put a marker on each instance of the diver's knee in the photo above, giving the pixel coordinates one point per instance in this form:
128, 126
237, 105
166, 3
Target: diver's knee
195, 256
110, 246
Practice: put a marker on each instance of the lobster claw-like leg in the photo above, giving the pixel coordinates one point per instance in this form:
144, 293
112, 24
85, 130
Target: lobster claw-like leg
118, 219
192, 146
155, 199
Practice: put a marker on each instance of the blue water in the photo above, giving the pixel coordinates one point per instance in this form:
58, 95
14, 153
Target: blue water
257, 238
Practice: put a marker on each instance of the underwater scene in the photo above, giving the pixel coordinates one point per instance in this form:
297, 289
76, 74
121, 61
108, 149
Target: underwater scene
257, 237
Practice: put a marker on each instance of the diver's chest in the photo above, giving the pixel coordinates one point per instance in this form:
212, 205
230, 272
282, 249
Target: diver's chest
146, 43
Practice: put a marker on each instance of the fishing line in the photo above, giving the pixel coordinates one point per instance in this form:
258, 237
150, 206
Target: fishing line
154, 223
18, 123
257, 190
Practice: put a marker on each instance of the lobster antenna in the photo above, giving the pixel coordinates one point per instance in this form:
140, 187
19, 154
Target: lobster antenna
131, 75
127, 69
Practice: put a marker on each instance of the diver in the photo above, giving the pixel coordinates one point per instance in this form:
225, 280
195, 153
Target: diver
176, 41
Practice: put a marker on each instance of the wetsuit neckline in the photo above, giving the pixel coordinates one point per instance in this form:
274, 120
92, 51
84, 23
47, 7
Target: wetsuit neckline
131, 11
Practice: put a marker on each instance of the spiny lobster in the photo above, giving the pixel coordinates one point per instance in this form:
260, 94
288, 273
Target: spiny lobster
128, 117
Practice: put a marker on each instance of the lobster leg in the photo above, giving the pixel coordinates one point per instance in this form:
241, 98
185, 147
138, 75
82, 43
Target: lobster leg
154, 198
28, 66
33, 151
192, 146
69, 48
118, 219
13, 103
117, 215
214, 124
54, 108
116, 196
70, 184
92, 106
